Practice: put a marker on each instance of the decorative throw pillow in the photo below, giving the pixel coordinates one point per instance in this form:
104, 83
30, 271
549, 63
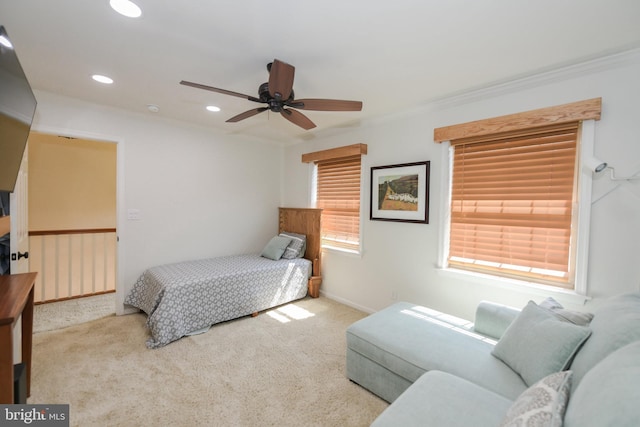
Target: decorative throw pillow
543, 404
576, 317
275, 248
537, 343
296, 247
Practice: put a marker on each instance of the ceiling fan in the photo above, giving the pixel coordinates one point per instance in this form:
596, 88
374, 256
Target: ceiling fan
277, 93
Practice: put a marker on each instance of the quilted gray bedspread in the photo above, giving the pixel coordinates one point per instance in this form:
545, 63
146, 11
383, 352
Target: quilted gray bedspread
185, 297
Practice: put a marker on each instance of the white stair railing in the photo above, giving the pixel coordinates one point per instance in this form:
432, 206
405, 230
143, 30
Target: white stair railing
72, 263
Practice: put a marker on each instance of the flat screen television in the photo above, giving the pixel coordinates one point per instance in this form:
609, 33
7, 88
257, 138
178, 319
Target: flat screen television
17, 107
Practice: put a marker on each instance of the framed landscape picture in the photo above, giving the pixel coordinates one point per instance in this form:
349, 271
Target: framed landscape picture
400, 193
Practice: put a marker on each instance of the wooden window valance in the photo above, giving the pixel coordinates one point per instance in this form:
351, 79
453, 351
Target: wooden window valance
577, 111
335, 153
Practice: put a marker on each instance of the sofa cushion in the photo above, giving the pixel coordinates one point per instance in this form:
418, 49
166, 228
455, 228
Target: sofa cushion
409, 340
441, 399
616, 323
543, 403
538, 343
609, 394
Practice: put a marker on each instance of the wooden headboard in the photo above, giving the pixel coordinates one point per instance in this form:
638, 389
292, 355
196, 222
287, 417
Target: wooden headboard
305, 221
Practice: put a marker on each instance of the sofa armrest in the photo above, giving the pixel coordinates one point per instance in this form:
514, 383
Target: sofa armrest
492, 319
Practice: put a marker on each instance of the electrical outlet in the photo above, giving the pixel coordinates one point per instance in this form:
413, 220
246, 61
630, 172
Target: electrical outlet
394, 295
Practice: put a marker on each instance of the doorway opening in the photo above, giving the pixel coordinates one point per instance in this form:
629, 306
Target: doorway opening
72, 192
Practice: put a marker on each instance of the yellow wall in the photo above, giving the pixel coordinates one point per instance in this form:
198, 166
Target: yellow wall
72, 183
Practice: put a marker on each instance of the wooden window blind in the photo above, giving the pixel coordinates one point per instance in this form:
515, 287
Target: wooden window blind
338, 173
338, 195
512, 203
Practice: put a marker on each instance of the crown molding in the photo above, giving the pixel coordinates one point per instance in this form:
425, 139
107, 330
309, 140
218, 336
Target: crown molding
541, 77
496, 88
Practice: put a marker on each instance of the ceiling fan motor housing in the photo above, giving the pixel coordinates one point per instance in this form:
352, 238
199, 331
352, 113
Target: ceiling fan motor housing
275, 105
263, 92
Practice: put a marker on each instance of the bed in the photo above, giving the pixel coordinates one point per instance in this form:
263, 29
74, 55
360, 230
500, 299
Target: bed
188, 297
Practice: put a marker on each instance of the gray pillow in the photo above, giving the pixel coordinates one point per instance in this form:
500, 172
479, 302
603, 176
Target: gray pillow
296, 247
577, 317
542, 404
538, 343
275, 248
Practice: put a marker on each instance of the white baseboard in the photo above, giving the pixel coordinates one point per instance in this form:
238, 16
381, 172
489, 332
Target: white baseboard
347, 302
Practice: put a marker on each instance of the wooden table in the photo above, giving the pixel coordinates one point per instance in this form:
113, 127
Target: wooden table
16, 297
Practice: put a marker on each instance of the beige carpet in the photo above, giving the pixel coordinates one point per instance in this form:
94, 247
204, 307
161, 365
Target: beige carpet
61, 314
285, 367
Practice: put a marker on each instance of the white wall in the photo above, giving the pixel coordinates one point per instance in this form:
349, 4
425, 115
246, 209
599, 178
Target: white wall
401, 258
202, 193
199, 193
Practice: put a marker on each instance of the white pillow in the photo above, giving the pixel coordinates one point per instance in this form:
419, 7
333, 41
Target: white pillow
542, 404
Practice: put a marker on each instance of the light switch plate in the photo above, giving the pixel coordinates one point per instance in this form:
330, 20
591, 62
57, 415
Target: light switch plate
133, 214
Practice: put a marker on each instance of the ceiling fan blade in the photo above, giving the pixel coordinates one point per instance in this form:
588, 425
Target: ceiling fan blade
247, 114
326, 105
223, 91
297, 118
281, 79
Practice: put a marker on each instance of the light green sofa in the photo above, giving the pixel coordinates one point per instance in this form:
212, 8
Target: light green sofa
437, 370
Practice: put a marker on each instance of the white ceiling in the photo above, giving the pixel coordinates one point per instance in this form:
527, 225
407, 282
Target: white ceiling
392, 55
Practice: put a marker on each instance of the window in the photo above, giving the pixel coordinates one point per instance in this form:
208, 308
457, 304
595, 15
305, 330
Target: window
337, 193
514, 194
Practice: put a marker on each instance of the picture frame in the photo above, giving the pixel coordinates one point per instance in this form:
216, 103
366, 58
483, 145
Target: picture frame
400, 193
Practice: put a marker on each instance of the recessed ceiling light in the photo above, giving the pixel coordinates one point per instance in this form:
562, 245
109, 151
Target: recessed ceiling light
153, 108
126, 8
213, 108
102, 79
